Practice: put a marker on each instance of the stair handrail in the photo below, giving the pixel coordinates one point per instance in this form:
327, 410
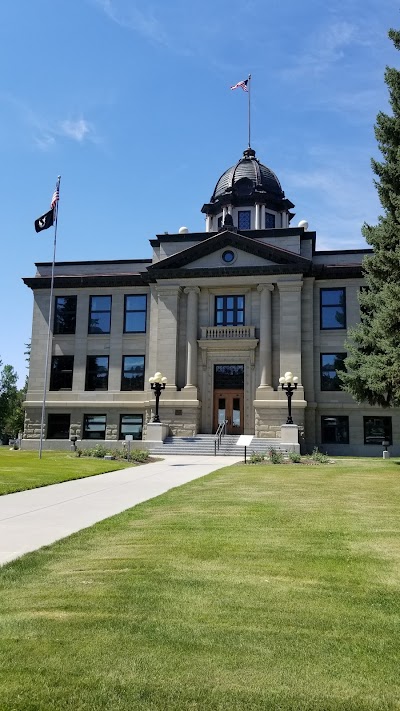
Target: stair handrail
221, 430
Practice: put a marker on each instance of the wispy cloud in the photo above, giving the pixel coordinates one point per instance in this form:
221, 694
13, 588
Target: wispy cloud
336, 197
327, 48
132, 18
46, 133
78, 130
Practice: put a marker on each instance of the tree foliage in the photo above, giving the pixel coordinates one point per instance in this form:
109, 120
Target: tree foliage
373, 362
11, 401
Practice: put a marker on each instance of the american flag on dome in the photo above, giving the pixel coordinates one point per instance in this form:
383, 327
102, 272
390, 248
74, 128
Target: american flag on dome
241, 85
56, 195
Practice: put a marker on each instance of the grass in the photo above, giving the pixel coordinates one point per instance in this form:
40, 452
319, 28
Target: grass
21, 470
256, 588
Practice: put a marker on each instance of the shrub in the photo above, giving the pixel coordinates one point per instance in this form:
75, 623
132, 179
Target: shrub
256, 457
294, 457
275, 457
319, 457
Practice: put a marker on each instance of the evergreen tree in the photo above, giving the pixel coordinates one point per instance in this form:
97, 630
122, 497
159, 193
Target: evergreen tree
373, 362
11, 399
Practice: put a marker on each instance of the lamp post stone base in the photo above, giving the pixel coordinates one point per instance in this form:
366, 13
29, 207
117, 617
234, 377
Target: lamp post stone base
156, 432
290, 436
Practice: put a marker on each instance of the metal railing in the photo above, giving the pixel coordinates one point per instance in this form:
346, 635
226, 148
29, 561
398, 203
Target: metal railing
221, 430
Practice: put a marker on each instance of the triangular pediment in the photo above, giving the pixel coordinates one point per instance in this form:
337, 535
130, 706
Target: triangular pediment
249, 253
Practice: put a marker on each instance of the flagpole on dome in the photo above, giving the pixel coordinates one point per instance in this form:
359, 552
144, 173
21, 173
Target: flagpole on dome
54, 208
249, 85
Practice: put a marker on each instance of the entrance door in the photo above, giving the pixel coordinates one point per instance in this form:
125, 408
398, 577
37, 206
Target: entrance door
228, 405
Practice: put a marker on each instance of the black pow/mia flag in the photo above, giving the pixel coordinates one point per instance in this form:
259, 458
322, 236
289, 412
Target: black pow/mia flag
45, 221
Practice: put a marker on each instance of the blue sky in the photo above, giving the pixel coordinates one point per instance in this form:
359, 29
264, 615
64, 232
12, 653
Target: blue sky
130, 103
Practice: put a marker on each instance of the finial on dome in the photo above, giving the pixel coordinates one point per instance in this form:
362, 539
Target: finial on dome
249, 153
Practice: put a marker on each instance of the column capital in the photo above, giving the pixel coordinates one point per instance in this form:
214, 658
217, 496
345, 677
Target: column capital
290, 285
265, 287
165, 290
191, 290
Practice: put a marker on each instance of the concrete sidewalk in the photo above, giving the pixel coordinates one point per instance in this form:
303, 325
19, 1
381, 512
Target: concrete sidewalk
36, 518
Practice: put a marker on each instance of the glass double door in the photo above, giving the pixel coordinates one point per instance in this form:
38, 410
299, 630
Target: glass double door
228, 406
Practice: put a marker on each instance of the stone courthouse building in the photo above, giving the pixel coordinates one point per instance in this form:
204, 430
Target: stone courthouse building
223, 314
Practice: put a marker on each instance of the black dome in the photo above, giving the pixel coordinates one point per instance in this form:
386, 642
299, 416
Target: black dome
246, 177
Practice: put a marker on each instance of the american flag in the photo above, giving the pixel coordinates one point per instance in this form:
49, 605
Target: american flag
56, 195
241, 85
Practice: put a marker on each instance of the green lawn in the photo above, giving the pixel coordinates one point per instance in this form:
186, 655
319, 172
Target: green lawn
255, 588
21, 470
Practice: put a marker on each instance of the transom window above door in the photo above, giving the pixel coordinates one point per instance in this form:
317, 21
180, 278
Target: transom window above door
229, 310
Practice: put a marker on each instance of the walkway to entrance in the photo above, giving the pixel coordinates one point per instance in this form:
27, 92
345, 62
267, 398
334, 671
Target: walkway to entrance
36, 518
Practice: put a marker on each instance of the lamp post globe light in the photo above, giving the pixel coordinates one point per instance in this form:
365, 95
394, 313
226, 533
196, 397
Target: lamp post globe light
157, 383
288, 382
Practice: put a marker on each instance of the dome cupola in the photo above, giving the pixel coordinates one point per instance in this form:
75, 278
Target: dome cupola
247, 184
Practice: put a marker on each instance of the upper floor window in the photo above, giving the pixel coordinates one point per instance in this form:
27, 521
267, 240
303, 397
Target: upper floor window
96, 373
377, 429
132, 373
100, 314
229, 310
269, 220
135, 313
62, 368
333, 308
331, 366
335, 430
244, 219
65, 314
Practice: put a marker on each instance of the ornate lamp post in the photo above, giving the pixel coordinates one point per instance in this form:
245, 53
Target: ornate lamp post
157, 383
289, 384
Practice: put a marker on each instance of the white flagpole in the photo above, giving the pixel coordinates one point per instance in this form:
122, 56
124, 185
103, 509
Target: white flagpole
50, 318
249, 85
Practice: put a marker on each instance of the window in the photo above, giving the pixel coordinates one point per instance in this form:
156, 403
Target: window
376, 429
62, 368
58, 426
131, 425
228, 256
100, 314
229, 310
244, 219
132, 373
96, 373
269, 220
228, 377
94, 427
333, 308
65, 314
135, 313
335, 430
332, 364
220, 222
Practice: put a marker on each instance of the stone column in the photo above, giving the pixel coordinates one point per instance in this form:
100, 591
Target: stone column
265, 344
167, 344
209, 223
290, 327
191, 335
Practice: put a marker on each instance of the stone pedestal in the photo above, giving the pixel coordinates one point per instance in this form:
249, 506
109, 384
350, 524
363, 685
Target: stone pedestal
290, 437
386, 454
156, 432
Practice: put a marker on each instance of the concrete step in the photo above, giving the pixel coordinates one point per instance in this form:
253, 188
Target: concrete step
204, 445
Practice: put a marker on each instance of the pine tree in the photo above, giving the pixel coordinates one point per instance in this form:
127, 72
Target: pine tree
373, 362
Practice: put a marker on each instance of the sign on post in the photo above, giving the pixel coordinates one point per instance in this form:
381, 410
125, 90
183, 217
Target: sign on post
244, 441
